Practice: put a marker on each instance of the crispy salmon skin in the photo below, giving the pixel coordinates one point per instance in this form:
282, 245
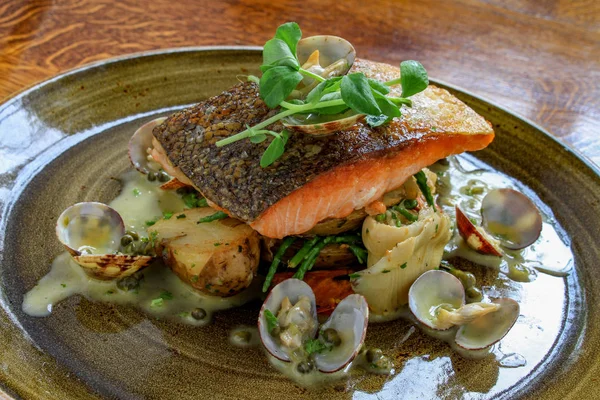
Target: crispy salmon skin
316, 178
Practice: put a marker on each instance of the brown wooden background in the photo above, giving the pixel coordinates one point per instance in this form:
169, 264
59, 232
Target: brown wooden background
539, 58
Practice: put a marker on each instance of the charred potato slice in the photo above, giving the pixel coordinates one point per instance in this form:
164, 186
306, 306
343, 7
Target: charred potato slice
219, 258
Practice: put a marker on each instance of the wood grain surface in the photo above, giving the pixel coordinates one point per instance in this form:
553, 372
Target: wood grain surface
538, 58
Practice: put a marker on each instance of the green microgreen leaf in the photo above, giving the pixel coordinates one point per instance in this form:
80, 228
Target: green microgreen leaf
278, 53
167, 215
374, 121
272, 322
258, 138
387, 107
413, 78
277, 83
291, 34
332, 110
275, 149
378, 86
316, 93
357, 94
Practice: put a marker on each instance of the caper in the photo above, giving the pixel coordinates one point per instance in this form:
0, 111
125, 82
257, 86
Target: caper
409, 204
128, 283
468, 280
242, 337
163, 176
304, 367
331, 336
133, 234
151, 176
473, 294
457, 273
373, 355
126, 239
198, 313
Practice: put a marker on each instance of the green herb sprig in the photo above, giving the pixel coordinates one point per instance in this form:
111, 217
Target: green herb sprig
282, 73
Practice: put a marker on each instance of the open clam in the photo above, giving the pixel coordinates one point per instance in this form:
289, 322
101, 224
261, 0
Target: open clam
139, 144
489, 329
475, 237
349, 319
437, 300
511, 217
91, 232
326, 56
288, 324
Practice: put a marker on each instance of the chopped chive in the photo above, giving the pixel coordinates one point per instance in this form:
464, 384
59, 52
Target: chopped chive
380, 217
167, 215
272, 321
287, 242
202, 202
137, 192
403, 266
180, 216
213, 217
354, 275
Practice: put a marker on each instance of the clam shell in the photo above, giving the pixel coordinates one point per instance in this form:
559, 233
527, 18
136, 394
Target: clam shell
350, 319
139, 144
293, 289
474, 236
512, 217
429, 291
490, 328
97, 226
111, 266
331, 49
324, 128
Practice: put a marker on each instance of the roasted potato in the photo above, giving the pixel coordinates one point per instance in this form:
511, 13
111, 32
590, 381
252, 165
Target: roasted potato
219, 258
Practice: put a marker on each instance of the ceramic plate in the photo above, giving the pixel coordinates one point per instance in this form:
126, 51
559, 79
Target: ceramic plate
64, 140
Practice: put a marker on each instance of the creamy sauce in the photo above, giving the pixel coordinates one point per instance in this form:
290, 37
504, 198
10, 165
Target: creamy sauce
462, 183
163, 295
160, 293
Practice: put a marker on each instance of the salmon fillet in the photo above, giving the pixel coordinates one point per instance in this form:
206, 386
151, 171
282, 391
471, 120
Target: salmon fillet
316, 178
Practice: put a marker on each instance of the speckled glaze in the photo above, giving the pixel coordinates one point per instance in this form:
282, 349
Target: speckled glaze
70, 137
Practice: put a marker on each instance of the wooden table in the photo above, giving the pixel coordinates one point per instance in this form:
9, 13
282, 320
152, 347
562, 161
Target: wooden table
537, 58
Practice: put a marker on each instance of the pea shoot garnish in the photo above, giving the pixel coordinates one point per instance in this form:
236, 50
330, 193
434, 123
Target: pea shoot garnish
338, 96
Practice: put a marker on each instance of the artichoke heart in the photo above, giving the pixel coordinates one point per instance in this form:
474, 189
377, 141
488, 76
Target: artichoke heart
398, 256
